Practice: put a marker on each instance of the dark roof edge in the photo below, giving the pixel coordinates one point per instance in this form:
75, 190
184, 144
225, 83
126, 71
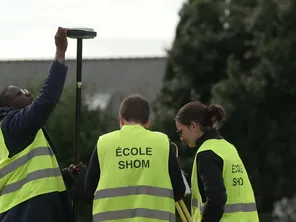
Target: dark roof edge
86, 59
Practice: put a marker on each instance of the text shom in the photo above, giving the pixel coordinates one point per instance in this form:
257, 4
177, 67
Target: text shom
136, 152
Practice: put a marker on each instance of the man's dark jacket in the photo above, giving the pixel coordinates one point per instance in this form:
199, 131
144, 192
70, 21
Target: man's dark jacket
19, 129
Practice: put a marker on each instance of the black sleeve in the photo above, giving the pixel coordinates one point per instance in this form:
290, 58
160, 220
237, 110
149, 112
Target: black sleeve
24, 123
92, 177
176, 175
33, 117
210, 170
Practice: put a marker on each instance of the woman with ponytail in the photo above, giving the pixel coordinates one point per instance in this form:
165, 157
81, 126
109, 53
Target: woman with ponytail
221, 189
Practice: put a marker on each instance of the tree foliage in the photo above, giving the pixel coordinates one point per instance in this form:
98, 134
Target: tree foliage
240, 54
205, 38
260, 104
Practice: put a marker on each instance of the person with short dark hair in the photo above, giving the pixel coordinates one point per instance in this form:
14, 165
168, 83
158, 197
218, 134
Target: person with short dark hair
221, 189
135, 109
133, 173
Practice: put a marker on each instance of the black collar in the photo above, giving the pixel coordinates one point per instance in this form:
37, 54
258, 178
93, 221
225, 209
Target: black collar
210, 134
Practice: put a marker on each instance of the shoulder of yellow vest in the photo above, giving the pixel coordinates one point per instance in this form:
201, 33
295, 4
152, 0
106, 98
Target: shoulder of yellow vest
157, 133
106, 135
206, 145
211, 143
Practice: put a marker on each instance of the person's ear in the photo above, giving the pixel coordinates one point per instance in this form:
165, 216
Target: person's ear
121, 120
194, 126
147, 124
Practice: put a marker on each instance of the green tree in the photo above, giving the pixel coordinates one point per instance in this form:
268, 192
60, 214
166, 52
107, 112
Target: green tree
260, 104
207, 34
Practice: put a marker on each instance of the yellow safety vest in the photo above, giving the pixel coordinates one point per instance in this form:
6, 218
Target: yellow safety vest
241, 204
32, 172
134, 183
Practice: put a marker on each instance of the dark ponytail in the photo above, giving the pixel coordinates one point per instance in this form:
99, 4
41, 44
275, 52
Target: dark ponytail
216, 114
206, 116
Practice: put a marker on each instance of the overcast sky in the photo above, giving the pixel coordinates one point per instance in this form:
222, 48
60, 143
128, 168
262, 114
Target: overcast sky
124, 27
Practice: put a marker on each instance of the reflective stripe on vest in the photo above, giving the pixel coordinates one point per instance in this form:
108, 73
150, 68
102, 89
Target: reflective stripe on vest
241, 204
138, 212
41, 151
39, 174
129, 189
32, 172
230, 208
134, 190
